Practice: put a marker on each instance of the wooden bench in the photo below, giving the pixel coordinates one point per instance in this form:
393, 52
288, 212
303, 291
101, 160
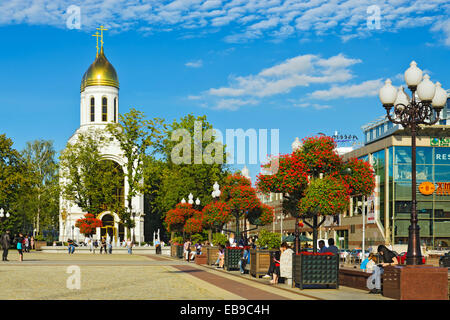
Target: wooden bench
354, 278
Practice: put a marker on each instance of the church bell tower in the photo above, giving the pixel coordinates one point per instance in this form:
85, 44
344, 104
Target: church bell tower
99, 90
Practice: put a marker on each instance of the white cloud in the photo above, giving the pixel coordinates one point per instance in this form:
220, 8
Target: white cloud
250, 19
194, 64
298, 72
233, 104
364, 89
312, 105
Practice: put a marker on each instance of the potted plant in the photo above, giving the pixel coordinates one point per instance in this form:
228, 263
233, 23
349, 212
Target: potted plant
313, 268
176, 248
39, 242
268, 243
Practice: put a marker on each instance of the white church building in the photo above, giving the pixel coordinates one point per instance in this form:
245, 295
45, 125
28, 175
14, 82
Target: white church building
99, 105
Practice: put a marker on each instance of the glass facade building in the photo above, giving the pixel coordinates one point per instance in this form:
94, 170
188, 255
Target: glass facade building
432, 165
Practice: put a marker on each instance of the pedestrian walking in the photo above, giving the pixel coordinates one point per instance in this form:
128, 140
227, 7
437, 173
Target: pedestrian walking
109, 246
27, 244
95, 246
130, 246
19, 246
32, 243
6, 242
103, 245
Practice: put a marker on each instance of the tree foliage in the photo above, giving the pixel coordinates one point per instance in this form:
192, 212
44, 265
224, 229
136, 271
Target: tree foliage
314, 180
41, 196
136, 136
174, 181
93, 183
12, 179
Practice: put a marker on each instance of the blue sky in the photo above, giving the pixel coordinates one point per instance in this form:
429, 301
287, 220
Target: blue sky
302, 67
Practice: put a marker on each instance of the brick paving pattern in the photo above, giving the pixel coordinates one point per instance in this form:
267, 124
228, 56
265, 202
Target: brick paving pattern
44, 276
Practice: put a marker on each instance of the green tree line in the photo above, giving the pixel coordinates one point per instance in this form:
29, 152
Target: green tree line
33, 180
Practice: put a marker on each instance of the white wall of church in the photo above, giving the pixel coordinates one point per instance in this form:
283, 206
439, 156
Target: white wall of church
98, 93
110, 150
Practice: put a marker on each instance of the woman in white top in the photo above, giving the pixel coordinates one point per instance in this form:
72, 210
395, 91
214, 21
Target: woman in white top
286, 262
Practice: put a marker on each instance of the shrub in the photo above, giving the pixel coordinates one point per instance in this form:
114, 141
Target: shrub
269, 240
178, 240
219, 238
198, 237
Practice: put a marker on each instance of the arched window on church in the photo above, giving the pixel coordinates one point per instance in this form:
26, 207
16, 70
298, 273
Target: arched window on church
92, 109
104, 109
115, 109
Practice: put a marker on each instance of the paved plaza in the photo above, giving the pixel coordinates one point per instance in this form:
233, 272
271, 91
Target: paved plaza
44, 276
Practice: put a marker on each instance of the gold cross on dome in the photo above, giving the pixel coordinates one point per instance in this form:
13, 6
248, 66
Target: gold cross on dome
96, 35
101, 35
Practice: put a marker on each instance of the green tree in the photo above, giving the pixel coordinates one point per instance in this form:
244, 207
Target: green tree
12, 178
191, 155
90, 181
136, 136
41, 194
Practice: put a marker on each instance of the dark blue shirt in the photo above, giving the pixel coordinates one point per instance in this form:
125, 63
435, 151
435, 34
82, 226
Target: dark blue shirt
333, 249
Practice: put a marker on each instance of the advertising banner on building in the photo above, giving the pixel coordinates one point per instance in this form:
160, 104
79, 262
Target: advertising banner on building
373, 203
371, 209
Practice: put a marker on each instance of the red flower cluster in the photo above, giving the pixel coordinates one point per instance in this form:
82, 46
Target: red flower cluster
327, 196
176, 218
193, 225
216, 214
239, 248
319, 155
291, 176
361, 181
88, 224
241, 198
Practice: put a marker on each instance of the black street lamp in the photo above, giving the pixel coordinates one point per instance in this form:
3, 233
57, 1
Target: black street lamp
410, 113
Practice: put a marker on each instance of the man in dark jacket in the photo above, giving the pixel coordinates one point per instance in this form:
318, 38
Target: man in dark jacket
6, 242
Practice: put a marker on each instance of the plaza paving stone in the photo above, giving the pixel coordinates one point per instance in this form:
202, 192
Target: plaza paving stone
153, 277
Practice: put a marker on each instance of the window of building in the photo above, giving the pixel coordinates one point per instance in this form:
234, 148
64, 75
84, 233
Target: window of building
104, 109
115, 109
92, 109
441, 173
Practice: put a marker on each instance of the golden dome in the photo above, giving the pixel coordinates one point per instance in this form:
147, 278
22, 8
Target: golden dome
100, 73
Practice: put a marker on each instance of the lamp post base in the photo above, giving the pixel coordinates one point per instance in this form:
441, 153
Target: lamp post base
414, 253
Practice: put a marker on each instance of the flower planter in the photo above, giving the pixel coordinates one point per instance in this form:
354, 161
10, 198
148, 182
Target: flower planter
315, 269
201, 259
38, 244
260, 261
211, 254
232, 257
176, 251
